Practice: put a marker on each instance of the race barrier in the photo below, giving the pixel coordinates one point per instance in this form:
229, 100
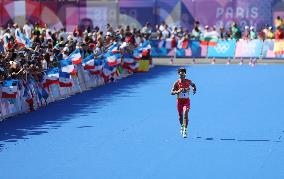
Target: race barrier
258, 49
223, 49
249, 49
164, 48
21, 96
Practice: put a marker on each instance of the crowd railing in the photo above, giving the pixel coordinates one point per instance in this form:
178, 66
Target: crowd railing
258, 49
21, 96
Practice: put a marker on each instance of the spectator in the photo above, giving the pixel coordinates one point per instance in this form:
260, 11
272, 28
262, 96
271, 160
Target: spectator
165, 32
246, 34
270, 33
279, 33
278, 22
146, 29
236, 32
253, 34
27, 29
196, 32
162, 26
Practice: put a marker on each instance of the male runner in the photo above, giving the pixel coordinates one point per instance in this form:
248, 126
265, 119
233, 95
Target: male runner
181, 88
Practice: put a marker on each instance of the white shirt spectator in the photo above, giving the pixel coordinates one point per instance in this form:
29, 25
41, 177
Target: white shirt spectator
5, 38
162, 28
27, 31
165, 34
16, 31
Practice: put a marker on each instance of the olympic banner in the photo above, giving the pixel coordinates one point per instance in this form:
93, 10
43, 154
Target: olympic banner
159, 52
181, 52
278, 49
223, 49
273, 49
250, 49
158, 48
197, 49
268, 49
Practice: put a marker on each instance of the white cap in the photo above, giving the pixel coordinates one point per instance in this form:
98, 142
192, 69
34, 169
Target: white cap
251, 27
108, 33
246, 27
206, 27
270, 27
66, 49
69, 37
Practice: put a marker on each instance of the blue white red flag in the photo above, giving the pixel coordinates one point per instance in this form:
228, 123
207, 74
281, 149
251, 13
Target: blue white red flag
75, 57
10, 89
128, 59
52, 77
98, 64
22, 40
68, 67
65, 79
89, 62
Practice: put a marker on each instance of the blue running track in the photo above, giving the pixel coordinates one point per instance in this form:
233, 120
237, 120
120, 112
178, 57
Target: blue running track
130, 130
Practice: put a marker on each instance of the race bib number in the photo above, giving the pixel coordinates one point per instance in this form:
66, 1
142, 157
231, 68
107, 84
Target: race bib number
184, 95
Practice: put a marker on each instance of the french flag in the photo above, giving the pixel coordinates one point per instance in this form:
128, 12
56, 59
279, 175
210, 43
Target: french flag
113, 49
10, 89
128, 59
27, 96
98, 66
75, 57
52, 77
146, 48
108, 71
22, 40
65, 79
68, 67
89, 62
113, 59
137, 53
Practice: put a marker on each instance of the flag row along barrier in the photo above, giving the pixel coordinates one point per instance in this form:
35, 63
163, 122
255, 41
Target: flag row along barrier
75, 75
232, 49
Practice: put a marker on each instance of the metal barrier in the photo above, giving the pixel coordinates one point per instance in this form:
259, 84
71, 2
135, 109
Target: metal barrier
32, 93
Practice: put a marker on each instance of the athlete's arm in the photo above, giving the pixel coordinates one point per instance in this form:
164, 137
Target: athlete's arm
193, 87
175, 89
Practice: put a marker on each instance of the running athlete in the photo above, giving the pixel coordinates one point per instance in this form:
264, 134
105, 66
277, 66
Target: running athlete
181, 88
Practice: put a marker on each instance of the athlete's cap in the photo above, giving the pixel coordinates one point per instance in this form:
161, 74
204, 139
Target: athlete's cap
181, 69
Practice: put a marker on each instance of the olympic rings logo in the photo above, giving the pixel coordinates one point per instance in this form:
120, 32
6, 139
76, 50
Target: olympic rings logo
222, 47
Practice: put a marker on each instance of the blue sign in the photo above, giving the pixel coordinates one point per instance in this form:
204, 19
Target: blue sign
196, 48
180, 52
159, 52
223, 49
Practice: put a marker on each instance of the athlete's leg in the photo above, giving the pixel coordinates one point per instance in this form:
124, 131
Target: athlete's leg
185, 119
180, 112
186, 108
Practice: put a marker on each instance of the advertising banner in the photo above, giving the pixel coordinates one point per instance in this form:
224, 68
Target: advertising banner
198, 50
249, 49
224, 48
278, 49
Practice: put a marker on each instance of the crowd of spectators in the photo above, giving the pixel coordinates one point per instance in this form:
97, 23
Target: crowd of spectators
163, 31
49, 46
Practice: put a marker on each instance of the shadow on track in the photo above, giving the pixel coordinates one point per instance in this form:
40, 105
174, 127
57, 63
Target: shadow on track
59, 112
